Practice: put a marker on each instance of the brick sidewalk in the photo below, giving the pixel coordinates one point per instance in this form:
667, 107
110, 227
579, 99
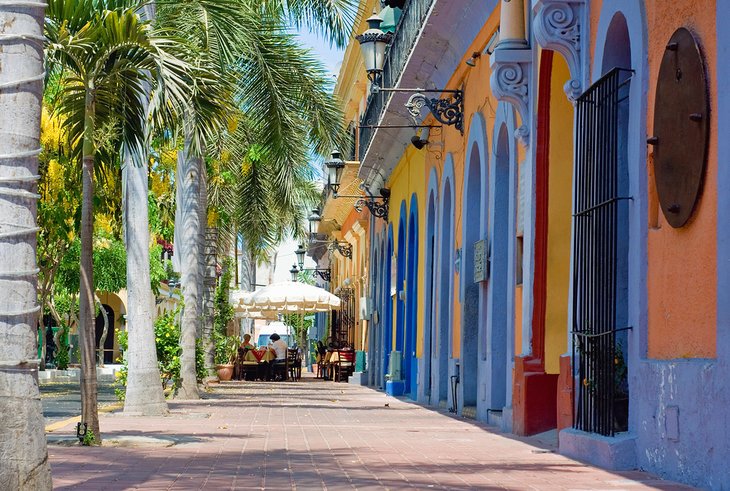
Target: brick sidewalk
316, 435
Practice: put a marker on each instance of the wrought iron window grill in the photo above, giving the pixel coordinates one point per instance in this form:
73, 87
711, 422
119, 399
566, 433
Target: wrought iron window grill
595, 252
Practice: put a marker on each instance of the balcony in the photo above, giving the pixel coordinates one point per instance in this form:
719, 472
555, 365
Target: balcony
404, 39
429, 42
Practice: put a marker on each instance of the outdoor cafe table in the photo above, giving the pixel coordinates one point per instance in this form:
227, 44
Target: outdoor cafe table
260, 355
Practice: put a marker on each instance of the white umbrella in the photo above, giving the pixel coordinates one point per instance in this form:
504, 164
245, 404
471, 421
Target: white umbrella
291, 296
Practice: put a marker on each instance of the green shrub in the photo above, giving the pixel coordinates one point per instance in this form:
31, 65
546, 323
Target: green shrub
62, 356
167, 342
120, 384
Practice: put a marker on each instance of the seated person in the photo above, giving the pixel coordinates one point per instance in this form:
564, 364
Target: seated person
246, 344
279, 346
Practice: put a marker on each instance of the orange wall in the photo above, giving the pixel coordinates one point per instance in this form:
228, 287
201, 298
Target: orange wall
682, 262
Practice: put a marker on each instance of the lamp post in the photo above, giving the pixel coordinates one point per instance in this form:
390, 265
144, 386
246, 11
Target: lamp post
314, 220
373, 43
448, 111
300, 255
294, 272
335, 166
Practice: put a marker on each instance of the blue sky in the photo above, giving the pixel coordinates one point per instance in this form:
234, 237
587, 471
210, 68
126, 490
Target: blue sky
331, 57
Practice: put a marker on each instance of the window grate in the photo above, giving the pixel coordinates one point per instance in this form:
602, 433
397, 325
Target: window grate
595, 251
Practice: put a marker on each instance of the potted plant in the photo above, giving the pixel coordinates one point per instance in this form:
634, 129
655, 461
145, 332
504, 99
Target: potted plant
226, 349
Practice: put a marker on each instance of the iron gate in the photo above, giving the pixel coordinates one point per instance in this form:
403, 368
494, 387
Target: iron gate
343, 325
595, 225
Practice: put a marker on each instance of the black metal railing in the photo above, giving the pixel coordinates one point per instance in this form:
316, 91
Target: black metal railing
404, 39
595, 250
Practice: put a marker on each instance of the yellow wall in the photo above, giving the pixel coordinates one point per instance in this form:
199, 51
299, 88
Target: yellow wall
409, 177
560, 176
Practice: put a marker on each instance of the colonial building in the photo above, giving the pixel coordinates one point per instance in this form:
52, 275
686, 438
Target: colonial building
550, 254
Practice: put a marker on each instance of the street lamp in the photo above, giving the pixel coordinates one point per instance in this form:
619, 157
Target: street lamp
335, 166
373, 43
325, 274
314, 220
300, 255
294, 272
448, 110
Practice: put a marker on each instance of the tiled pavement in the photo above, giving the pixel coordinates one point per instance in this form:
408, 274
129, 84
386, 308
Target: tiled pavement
316, 435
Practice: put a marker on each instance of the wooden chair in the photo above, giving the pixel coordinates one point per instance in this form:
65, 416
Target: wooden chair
294, 363
280, 369
345, 364
245, 370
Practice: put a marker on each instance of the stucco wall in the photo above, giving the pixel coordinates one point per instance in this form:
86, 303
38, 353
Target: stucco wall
682, 262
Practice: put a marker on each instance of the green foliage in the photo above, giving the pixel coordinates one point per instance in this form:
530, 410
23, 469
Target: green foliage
223, 312
226, 348
158, 269
300, 325
120, 384
89, 439
167, 341
110, 266
62, 355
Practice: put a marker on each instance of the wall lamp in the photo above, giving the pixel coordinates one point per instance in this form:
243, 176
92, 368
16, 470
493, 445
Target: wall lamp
334, 174
323, 273
488, 50
373, 43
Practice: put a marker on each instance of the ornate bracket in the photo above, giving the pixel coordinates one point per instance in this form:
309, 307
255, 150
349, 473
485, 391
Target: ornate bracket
446, 111
325, 274
378, 210
342, 247
510, 82
558, 25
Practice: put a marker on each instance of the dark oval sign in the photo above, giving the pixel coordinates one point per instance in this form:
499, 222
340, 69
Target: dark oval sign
681, 127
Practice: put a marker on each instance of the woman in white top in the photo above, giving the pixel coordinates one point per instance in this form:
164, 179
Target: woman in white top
278, 345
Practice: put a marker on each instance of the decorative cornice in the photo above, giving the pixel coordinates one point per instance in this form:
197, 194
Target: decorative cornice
510, 82
558, 25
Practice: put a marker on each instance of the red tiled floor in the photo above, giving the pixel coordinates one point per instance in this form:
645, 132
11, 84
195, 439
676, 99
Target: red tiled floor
319, 435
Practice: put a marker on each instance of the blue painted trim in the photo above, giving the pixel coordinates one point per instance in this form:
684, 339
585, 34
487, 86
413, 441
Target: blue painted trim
411, 321
401, 258
425, 370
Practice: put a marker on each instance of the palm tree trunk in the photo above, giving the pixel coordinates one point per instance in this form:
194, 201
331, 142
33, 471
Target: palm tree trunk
188, 180
89, 404
248, 281
22, 441
144, 393
211, 245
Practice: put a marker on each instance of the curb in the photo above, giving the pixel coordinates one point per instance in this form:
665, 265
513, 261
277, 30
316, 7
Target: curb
75, 419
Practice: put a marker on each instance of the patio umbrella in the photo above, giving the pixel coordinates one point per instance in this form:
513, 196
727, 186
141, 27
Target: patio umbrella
290, 296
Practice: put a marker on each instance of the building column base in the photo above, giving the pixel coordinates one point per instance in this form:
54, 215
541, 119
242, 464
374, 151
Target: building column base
534, 397
616, 453
565, 394
395, 387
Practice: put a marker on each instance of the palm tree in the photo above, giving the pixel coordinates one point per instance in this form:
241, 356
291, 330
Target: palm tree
144, 394
107, 55
23, 453
248, 40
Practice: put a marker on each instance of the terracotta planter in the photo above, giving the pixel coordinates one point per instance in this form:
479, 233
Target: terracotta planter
225, 372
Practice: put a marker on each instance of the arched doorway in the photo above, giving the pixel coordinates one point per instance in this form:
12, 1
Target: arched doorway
410, 361
444, 286
387, 331
472, 321
401, 262
430, 324
601, 240
501, 289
